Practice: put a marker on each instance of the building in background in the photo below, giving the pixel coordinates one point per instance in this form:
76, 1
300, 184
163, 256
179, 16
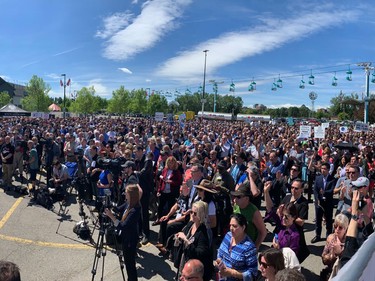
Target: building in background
15, 91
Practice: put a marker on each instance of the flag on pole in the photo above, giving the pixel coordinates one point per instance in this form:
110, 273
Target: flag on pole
68, 83
61, 83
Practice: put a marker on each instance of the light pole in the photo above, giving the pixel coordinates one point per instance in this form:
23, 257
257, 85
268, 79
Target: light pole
215, 88
204, 81
367, 67
64, 94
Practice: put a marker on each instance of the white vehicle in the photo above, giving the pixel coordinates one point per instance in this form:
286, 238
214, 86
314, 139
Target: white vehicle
240, 117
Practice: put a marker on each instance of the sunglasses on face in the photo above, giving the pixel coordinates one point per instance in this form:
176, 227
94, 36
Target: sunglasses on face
238, 196
265, 265
339, 227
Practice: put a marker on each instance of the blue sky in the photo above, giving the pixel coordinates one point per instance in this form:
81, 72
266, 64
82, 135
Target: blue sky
159, 45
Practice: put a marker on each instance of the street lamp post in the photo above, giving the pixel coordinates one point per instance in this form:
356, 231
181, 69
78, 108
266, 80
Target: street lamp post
215, 88
204, 81
64, 94
215, 91
367, 67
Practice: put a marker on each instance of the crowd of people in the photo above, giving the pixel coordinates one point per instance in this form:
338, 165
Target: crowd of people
205, 182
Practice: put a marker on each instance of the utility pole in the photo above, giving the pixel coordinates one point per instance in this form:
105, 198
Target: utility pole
367, 67
215, 88
204, 81
64, 110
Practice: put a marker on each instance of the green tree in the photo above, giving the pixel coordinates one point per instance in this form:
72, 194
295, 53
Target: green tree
230, 104
320, 114
86, 102
342, 103
119, 103
342, 116
190, 102
37, 98
293, 111
156, 103
304, 111
138, 101
102, 103
4, 98
59, 101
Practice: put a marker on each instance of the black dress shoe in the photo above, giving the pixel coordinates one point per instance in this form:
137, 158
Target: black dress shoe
316, 239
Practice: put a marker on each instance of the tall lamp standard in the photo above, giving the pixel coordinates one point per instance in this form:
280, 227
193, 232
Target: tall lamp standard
367, 67
215, 88
64, 94
204, 81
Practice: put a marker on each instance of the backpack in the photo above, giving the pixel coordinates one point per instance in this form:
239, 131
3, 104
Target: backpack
44, 199
82, 230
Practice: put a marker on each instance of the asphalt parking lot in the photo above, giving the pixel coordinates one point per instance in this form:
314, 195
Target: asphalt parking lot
43, 244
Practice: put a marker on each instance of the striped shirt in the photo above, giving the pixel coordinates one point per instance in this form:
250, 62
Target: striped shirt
241, 257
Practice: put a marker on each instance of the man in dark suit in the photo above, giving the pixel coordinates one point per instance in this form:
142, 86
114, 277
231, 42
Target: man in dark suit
145, 172
323, 194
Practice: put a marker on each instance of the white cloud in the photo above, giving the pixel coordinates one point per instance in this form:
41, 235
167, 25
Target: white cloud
148, 80
66, 51
235, 46
157, 18
114, 23
125, 70
100, 88
53, 76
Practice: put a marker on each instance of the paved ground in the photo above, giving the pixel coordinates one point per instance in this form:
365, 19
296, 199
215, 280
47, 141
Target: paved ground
43, 244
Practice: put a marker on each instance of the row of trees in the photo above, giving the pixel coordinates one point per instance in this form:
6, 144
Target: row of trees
137, 101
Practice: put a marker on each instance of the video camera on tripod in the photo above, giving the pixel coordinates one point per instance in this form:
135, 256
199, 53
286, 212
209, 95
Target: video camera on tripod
108, 235
113, 165
81, 228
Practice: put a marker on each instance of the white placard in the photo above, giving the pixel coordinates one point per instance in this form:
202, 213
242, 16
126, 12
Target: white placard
360, 127
325, 125
319, 132
159, 116
43, 115
304, 131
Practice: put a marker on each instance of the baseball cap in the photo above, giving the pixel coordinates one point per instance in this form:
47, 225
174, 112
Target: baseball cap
243, 190
361, 182
128, 164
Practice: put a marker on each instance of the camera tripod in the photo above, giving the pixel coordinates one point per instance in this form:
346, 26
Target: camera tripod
101, 249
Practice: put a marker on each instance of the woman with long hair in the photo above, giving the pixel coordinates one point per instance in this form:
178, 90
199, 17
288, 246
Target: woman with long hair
270, 261
131, 211
195, 240
169, 188
206, 193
